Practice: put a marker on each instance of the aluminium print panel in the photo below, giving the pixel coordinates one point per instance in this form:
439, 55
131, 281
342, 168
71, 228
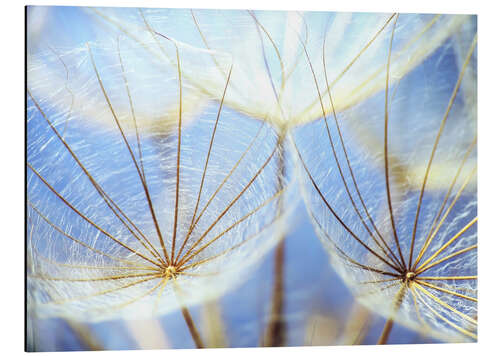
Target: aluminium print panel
242, 178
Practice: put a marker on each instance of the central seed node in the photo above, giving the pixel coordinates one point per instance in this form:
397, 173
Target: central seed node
410, 276
170, 271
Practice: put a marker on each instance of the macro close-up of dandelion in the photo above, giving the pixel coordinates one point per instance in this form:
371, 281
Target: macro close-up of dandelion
239, 178
405, 241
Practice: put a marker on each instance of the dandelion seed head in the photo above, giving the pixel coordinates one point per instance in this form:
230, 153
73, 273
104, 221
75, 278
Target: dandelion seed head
141, 195
391, 189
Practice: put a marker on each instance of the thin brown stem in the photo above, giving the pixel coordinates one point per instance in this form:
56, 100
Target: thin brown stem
138, 139
246, 240
386, 147
187, 317
191, 226
226, 178
160, 292
355, 263
81, 280
192, 328
380, 281
276, 330
442, 303
187, 257
107, 291
384, 336
448, 210
132, 156
447, 244
413, 60
393, 257
67, 89
337, 217
107, 199
344, 71
85, 218
436, 142
178, 164
131, 301
437, 314
132, 110
470, 277
417, 309
223, 213
83, 332
90, 267
205, 42
447, 291
424, 268
378, 290
278, 55
78, 241
445, 200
